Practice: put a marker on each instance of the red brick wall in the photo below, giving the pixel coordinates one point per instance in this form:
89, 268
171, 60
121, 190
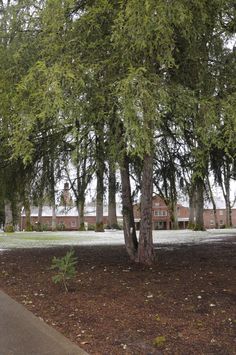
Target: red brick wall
161, 215
70, 223
221, 217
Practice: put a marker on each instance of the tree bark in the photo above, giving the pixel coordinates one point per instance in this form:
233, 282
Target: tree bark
227, 201
146, 253
99, 201
131, 242
173, 215
81, 213
54, 217
8, 226
52, 196
213, 203
192, 205
228, 213
27, 215
199, 223
112, 217
225, 187
40, 213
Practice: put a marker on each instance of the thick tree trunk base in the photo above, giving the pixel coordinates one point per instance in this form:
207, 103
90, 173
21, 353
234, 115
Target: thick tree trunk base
81, 227
198, 227
146, 253
99, 227
146, 256
131, 242
29, 227
191, 225
9, 228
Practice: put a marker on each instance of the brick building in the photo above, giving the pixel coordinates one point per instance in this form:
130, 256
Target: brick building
209, 220
161, 216
66, 218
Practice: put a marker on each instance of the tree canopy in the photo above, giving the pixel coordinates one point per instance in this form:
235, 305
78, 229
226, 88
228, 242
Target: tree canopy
144, 86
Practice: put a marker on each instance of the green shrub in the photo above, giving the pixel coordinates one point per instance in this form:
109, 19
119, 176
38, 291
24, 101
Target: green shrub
45, 227
120, 226
9, 228
198, 227
99, 227
91, 227
38, 227
113, 226
29, 227
65, 267
61, 227
82, 227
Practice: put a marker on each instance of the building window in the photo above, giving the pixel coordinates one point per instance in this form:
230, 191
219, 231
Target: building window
160, 213
72, 223
221, 212
221, 222
156, 204
212, 222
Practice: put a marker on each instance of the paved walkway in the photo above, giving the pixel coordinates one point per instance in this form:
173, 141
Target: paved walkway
21, 333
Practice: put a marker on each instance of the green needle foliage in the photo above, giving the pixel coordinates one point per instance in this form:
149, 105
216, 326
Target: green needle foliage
65, 267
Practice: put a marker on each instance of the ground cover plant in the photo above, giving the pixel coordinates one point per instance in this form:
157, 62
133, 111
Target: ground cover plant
184, 304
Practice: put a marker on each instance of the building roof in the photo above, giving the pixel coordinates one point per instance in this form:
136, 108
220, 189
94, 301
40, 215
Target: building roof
62, 211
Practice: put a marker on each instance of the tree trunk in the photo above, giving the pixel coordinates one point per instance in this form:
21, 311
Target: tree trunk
52, 197
112, 218
131, 242
228, 213
146, 253
192, 211
17, 216
225, 187
99, 201
199, 223
8, 226
28, 226
40, 213
173, 216
213, 203
227, 202
54, 218
81, 213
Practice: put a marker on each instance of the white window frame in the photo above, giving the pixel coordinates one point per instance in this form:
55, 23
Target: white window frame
160, 213
72, 223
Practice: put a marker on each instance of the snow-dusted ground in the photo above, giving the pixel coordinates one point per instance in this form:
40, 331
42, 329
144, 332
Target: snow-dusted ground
48, 239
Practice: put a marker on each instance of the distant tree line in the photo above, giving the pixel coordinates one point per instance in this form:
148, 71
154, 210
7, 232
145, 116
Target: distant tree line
144, 87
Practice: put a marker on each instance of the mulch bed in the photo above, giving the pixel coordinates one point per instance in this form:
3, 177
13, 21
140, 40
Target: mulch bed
188, 298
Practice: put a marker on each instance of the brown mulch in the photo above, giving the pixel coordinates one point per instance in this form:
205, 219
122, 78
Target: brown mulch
115, 307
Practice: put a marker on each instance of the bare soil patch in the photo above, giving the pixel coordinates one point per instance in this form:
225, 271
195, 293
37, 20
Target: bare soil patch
116, 307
